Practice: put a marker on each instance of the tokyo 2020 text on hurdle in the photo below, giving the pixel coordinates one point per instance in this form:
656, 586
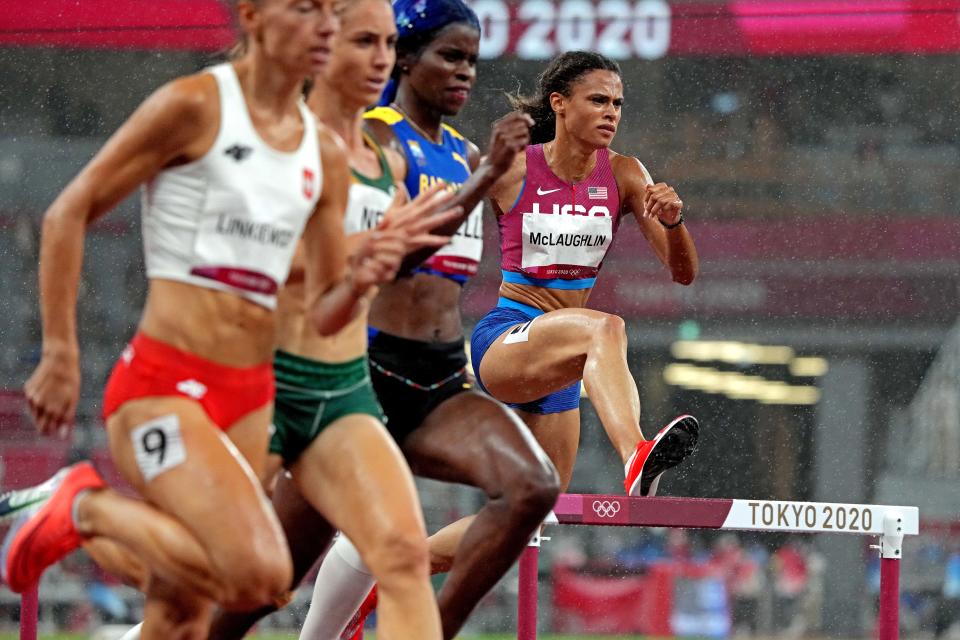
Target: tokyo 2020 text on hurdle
888, 524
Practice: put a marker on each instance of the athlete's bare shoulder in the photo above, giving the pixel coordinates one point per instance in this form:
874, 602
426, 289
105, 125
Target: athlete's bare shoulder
517, 171
193, 99
473, 155
624, 164
335, 185
397, 163
182, 118
383, 133
328, 137
196, 88
631, 176
333, 150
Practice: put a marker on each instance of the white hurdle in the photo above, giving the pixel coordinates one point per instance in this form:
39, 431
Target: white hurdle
888, 523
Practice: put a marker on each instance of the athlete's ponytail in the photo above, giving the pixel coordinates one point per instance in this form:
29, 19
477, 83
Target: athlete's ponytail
559, 77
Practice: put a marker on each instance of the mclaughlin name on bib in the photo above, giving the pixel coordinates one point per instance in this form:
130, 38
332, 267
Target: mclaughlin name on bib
567, 240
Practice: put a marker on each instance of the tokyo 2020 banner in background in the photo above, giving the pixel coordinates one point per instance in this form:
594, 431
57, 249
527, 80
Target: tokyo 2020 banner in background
539, 29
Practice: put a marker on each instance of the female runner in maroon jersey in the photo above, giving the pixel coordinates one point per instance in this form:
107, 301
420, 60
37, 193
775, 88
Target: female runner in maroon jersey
558, 209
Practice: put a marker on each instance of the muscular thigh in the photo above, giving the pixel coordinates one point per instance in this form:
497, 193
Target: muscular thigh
179, 461
475, 440
355, 475
308, 533
117, 559
251, 436
549, 355
559, 435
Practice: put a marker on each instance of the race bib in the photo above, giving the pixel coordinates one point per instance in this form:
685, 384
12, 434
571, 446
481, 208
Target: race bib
565, 239
158, 446
463, 252
366, 208
227, 238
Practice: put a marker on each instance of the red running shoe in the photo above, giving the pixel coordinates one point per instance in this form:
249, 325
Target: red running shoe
668, 448
42, 530
354, 630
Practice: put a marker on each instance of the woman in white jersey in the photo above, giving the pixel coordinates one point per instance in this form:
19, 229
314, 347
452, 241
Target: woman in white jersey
358, 65
328, 425
235, 169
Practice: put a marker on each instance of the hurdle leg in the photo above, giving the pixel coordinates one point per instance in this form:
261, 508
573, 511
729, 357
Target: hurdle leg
527, 592
29, 610
891, 549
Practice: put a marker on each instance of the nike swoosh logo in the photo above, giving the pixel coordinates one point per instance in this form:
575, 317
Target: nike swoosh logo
541, 192
16, 503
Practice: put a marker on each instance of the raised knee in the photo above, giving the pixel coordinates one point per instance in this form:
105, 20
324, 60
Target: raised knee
399, 552
535, 493
611, 326
257, 580
607, 331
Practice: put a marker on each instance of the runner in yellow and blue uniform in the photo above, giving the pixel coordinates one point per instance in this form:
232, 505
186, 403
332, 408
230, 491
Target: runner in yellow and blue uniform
443, 374
430, 162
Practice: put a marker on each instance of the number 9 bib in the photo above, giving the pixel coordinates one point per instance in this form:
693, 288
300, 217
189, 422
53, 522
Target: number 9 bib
158, 446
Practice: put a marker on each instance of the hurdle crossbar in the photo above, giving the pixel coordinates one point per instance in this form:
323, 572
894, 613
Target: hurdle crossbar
889, 523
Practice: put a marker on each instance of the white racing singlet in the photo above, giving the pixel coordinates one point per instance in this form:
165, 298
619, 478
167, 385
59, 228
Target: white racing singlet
231, 220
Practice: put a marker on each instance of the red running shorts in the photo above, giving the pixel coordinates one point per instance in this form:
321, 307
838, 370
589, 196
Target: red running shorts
149, 368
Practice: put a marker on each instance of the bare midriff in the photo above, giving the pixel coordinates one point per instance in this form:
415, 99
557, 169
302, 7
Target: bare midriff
421, 307
216, 325
543, 298
296, 335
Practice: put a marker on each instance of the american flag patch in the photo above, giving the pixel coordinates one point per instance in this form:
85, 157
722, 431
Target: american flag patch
597, 193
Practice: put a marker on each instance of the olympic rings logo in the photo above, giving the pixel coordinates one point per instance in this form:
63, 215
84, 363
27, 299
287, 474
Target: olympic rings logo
606, 508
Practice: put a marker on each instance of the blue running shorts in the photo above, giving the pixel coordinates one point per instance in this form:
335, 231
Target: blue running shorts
491, 327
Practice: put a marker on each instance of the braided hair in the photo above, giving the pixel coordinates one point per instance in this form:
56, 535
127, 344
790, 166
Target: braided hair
561, 74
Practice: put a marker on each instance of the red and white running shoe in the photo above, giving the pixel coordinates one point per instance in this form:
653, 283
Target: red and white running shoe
42, 530
668, 448
354, 629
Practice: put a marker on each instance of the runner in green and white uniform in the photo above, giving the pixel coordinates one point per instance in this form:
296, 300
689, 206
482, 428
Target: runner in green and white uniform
321, 380
328, 426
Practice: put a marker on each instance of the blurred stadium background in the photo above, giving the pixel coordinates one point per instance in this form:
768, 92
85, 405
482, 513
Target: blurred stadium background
816, 145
